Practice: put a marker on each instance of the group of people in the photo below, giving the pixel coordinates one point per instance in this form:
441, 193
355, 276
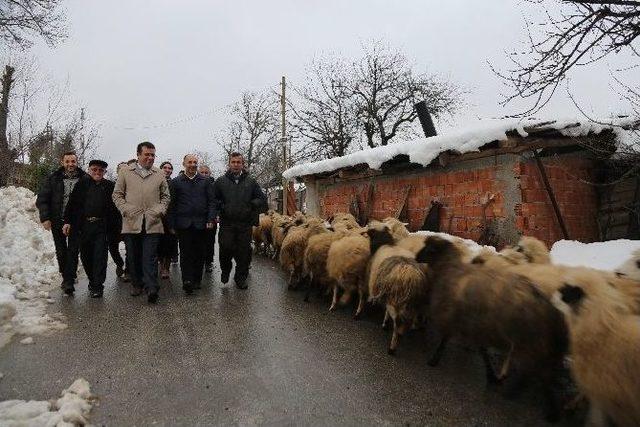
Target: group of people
88, 215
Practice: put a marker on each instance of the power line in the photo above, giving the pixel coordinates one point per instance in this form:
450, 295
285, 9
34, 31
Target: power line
172, 123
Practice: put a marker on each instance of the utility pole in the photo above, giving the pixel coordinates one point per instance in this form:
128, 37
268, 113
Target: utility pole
283, 140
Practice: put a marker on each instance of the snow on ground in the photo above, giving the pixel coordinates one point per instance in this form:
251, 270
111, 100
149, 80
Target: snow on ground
71, 409
600, 255
28, 268
425, 150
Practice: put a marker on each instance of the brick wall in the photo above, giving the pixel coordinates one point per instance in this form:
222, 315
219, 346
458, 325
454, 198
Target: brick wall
569, 178
520, 206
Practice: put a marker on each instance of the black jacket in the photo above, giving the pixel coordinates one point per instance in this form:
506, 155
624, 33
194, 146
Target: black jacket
238, 203
74, 212
51, 195
192, 203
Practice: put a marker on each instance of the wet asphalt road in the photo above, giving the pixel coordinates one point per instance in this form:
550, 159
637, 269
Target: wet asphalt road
256, 357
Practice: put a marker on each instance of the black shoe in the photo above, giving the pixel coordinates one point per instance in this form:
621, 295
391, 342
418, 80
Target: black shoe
241, 284
152, 298
119, 271
136, 291
208, 268
95, 294
187, 287
197, 285
224, 276
69, 290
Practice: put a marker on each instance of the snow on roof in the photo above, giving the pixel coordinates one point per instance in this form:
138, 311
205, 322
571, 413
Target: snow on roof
425, 150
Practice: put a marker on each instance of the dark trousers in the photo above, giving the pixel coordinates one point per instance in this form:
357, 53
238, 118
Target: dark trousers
67, 249
94, 253
114, 250
192, 253
235, 244
211, 244
142, 256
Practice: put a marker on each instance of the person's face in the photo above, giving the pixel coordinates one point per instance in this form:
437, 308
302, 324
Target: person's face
167, 169
146, 157
190, 164
96, 172
69, 163
236, 164
205, 172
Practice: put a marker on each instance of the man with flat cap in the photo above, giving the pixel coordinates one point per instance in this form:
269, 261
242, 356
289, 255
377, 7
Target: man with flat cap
92, 214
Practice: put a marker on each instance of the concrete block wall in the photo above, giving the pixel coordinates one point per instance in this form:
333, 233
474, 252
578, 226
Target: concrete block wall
520, 206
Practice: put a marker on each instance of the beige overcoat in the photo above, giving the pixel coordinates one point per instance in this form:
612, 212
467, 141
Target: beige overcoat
139, 195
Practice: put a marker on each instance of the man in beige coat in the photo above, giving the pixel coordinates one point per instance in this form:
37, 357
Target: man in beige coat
142, 196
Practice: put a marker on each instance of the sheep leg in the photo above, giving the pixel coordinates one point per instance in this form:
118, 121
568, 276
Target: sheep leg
334, 301
437, 355
492, 379
505, 365
360, 304
307, 294
395, 336
345, 298
385, 325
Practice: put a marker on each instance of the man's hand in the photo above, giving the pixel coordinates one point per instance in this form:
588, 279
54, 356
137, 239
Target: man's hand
66, 229
210, 225
172, 230
47, 225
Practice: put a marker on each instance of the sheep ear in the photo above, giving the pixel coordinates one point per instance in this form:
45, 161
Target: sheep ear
571, 294
478, 260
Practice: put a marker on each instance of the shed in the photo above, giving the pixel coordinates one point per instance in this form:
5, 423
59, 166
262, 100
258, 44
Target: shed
491, 183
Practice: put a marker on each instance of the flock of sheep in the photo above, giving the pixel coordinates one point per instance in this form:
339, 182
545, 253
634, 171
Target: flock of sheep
537, 314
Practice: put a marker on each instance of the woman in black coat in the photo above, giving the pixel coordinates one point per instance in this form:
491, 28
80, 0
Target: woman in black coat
168, 245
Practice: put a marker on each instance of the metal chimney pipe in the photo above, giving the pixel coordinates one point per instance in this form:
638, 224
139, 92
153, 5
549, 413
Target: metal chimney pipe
428, 127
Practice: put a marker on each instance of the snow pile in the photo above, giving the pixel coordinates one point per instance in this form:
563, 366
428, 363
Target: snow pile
72, 409
424, 150
28, 269
600, 255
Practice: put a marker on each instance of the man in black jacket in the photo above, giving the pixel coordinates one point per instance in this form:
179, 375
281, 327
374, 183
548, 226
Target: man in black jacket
92, 214
51, 202
239, 201
205, 171
191, 212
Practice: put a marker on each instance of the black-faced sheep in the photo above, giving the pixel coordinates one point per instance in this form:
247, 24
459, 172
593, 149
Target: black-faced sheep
604, 347
494, 308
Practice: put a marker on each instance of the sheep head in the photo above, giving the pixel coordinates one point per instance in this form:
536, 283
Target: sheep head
379, 235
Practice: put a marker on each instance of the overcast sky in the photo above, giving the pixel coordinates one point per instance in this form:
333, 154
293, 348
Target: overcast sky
145, 69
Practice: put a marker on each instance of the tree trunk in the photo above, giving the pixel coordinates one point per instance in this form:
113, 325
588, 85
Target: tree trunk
6, 154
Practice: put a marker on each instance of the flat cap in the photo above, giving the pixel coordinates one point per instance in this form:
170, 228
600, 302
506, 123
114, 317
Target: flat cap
100, 163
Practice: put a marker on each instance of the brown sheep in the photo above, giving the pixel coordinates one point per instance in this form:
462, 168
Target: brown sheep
281, 224
262, 234
528, 250
293, 247
415, 243
342, 222
397, 227
346, 265
494, 308
315, 260
604, 347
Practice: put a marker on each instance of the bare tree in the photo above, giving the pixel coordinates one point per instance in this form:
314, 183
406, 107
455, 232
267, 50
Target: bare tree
7, 154
324, 112
252, 131
386, 89
22, 20
580, 33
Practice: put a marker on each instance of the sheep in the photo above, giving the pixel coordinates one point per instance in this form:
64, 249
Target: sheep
397, 227
395, 280
415, 243
343, 221
281, 224
315, 260
346, 265
293, 247
604, 347
528, 250
631, 267
495, 308
262, 233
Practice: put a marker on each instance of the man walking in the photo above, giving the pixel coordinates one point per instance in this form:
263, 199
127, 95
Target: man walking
141, 194
210, 232
92, 214
191, 212
239, 201
51, 202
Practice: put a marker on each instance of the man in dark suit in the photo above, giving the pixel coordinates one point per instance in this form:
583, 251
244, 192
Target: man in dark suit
191, 213
205, 171
51, 202
239, 201
92, 214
